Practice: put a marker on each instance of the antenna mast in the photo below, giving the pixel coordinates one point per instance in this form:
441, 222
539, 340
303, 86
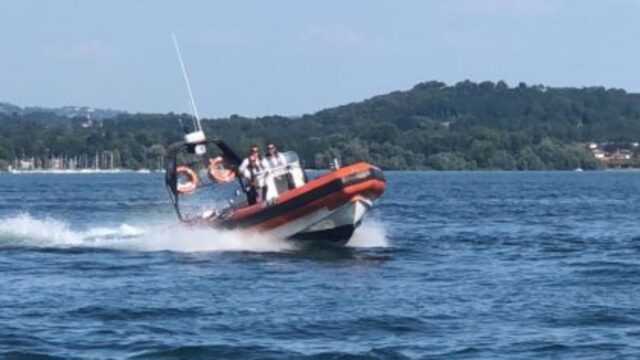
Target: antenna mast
197, 135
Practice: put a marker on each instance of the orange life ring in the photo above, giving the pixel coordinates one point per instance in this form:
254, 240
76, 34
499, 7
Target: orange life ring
218, 173
191, 184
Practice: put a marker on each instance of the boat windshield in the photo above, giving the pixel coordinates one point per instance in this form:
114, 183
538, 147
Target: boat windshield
291, 157
280, 167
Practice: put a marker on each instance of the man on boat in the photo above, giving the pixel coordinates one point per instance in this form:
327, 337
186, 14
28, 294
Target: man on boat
276, 161
274, 158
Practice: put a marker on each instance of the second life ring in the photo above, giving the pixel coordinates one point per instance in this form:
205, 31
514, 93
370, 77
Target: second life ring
192, 182
218, 172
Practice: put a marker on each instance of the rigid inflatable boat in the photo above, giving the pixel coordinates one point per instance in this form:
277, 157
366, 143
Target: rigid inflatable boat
327, 208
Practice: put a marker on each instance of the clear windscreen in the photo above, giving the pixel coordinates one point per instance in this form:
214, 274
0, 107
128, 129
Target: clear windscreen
206, 184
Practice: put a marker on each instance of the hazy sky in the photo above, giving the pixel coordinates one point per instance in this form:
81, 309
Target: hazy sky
293, 57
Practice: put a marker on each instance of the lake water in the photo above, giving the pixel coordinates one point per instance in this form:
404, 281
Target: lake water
471, 265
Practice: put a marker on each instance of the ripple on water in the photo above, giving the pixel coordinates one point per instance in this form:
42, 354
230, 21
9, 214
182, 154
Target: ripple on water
260, 352
112, 313
464, 266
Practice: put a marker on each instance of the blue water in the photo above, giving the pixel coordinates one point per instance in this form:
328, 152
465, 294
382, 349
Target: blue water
450, 265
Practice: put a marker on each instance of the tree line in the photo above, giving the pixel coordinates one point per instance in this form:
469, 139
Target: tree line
431, 126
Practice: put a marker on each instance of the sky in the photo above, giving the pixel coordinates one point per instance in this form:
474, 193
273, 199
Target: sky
292, 57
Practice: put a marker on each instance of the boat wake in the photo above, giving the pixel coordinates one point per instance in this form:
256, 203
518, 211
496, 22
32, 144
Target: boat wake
371, 234
27, 231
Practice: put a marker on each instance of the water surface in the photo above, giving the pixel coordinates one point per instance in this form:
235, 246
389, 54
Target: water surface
478, 265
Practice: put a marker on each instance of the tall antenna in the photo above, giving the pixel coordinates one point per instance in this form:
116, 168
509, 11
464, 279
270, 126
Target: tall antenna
197, 136
186, 79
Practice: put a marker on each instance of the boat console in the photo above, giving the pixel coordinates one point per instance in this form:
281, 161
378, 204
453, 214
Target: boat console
282, 178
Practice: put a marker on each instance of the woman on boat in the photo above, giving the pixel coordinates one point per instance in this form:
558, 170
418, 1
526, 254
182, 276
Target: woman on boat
254, 149
253, 174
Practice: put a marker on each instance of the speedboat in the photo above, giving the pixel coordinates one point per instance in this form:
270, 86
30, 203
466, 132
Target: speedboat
327, 208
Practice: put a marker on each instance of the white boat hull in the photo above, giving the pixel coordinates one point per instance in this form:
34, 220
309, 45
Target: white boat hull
331, 225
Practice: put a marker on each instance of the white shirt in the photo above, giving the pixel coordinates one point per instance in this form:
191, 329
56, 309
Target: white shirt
270, 162
243, 166
253, 173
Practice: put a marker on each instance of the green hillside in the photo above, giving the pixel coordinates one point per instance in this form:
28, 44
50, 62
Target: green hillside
432, 126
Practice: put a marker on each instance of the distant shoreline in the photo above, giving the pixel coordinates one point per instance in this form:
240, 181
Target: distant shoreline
147, 171
82, 171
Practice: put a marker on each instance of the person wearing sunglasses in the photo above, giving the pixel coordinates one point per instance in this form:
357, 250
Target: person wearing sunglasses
253, 150
252, 171
273, 158
276, 160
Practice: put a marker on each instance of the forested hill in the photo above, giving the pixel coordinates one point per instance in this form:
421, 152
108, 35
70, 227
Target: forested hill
432, 126
68, 111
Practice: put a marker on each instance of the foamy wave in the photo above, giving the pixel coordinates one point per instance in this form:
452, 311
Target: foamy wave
25, 230
184, 239
370, 234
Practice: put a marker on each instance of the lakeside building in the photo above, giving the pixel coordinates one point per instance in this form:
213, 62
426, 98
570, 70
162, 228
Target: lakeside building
599, 154
612, 154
